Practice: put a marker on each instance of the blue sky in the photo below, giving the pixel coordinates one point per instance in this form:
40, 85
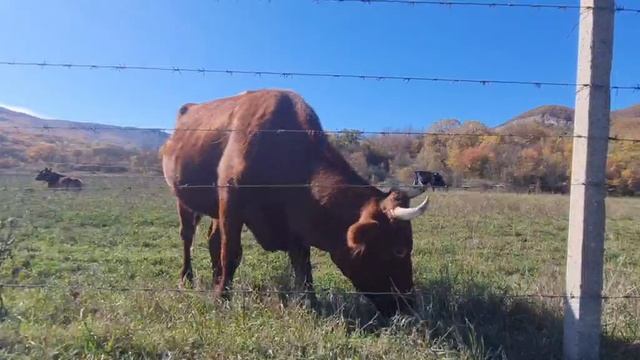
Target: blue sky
297, 35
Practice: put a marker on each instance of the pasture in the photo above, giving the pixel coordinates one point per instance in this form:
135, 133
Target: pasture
473, 254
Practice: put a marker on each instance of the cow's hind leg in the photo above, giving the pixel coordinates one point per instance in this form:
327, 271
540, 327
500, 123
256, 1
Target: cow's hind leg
230, 227
188, 222
300, 257
214, 252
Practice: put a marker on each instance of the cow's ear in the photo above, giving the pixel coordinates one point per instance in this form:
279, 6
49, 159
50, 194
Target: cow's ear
360, 234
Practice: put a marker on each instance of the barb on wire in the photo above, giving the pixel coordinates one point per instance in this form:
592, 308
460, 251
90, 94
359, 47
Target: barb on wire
287, 292
287, 74
328, 132
489, 4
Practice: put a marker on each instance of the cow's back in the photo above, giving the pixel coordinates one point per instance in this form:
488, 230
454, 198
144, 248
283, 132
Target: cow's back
245, 127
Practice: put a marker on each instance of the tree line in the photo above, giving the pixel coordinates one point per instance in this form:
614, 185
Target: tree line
520, 157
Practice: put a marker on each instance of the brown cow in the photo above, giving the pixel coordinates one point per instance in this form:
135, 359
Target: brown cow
235, 172
58, 181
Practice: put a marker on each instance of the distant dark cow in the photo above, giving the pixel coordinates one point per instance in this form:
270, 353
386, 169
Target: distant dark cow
434, 179
58, 181
277, 173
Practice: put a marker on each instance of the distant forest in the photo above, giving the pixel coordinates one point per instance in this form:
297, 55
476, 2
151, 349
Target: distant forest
532, 157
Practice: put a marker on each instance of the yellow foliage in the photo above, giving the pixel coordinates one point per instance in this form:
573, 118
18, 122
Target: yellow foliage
42, 152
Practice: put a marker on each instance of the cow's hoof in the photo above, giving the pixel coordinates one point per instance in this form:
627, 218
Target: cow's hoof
310, 302
185, 284
221, 292
306, 301
186, 280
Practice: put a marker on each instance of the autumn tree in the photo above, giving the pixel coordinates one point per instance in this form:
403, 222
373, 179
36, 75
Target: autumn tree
111, 154
623, 167
434, 153
346, 140
43, 152
146, 161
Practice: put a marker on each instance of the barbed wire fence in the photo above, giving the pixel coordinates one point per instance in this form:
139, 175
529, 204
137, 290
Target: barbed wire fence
205, 71
162, 185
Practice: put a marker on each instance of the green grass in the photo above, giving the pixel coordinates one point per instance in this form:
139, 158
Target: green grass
471, 252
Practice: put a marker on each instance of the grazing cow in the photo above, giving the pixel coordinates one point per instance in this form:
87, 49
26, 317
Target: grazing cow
435, 179
265, 163
58, 181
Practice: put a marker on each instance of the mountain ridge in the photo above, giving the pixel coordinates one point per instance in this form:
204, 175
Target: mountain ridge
561, 118
13, 122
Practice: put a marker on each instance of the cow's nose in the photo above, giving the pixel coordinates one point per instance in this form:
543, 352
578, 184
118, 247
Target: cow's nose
388, 305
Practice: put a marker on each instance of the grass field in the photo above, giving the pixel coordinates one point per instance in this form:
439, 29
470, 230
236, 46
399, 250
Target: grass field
473, 252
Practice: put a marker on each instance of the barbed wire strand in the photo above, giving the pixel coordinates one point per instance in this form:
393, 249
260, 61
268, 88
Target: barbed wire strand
253, 186
286, 292
492, 4
288, 74
450, 256
94, 128
215, 186
256, 186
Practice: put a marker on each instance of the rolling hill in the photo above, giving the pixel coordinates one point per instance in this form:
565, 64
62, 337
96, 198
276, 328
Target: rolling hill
624, 122
29, 142
551, 116
79, 132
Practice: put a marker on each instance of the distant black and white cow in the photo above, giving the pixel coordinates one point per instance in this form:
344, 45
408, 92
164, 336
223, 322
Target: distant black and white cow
434, 179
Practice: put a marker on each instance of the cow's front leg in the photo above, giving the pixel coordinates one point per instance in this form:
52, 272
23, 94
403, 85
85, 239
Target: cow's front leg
188, 222
230, 226
300, 257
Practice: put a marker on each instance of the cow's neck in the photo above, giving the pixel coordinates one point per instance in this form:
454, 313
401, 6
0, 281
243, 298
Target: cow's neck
342, 195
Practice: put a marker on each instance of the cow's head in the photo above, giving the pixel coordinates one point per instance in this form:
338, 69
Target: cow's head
44, 175
378, 259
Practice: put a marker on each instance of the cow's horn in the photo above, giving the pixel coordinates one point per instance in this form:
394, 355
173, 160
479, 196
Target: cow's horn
410, 213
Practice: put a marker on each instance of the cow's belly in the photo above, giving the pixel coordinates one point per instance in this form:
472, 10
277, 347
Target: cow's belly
192, 185
284, 220
269, 226
200, 200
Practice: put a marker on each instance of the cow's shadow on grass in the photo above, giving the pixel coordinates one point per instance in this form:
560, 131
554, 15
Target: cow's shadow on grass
472, 319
